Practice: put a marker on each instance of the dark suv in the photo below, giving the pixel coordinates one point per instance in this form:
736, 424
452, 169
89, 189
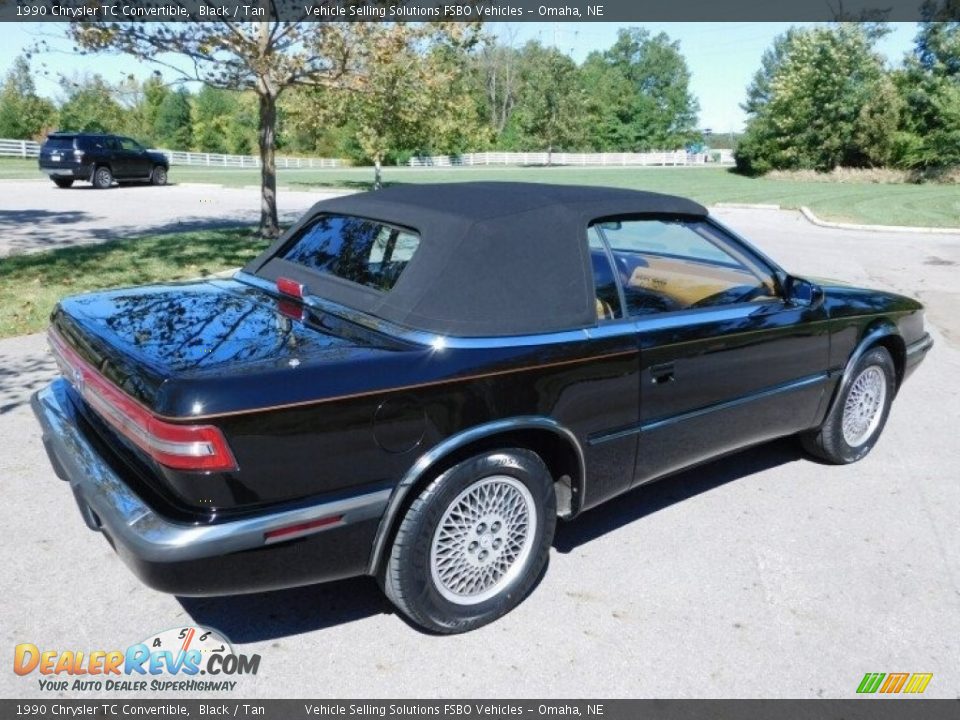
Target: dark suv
100, 159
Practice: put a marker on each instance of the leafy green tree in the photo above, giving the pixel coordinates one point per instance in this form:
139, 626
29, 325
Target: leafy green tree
23, 114
639, 94
929, 135
821, 99
174, 122
877, 125
938, 42
309, 130
213, 113
456, 125
613, 108
155, 91
407, 100
90, 106
242, 133
225, 121
551, 100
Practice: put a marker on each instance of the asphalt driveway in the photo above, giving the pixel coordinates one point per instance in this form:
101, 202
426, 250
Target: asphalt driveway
763, 574
36, 215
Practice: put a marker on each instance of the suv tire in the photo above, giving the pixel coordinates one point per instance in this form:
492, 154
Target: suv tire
102, 177
63, 182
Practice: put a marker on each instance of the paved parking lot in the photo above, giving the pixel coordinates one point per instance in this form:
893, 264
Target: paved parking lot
763, 574
36, 215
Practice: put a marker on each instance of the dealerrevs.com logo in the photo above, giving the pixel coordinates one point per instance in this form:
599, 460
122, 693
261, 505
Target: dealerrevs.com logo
178, 660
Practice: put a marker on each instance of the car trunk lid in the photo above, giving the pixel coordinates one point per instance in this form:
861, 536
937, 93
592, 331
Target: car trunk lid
185, 350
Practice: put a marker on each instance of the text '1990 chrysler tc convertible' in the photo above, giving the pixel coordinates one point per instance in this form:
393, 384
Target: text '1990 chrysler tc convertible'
415, 383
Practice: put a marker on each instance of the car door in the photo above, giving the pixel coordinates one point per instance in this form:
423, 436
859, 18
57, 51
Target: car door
134, 159
111, 151
725, 359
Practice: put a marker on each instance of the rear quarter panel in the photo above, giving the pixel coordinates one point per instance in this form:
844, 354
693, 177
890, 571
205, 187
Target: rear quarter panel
346, 443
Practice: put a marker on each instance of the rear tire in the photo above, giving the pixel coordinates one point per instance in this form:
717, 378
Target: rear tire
158, 176
474, 543
63, 182
859, 414
102, 177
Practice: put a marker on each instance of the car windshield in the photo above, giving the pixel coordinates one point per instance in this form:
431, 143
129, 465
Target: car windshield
363, 251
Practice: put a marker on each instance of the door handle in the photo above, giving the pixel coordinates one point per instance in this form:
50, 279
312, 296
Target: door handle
660, 374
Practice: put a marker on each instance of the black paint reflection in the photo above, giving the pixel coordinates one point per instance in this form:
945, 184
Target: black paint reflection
199, 326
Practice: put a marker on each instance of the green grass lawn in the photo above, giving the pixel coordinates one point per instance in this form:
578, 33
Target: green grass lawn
30, 285
929, 204
11, 169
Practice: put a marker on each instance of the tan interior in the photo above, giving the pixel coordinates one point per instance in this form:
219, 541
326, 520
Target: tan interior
684, 282
604, 311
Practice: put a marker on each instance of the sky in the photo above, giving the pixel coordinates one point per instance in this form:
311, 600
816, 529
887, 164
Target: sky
722, 57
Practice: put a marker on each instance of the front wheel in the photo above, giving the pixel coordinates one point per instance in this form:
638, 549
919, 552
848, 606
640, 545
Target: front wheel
473, 544
857, 417
159, 175
102, 178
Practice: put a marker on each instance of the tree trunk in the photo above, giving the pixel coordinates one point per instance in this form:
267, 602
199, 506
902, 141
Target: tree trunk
267, 140
377, 174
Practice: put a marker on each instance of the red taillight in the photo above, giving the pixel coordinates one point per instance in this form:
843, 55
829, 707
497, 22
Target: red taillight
290, 309
290, 287
300, 529
181, 447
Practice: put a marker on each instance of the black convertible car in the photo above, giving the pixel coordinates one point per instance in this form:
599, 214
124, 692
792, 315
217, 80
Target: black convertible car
415, 384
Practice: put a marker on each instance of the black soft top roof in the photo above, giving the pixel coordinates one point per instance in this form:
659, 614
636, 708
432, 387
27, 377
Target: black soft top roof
495, 258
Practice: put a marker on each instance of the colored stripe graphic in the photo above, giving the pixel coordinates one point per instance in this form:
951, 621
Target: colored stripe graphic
894, 682
918, 683
870, 682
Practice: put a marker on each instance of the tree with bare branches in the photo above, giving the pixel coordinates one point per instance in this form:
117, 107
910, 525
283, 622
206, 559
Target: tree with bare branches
265, 57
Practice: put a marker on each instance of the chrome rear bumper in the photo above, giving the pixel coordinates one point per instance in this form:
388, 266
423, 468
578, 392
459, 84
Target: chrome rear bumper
107, 503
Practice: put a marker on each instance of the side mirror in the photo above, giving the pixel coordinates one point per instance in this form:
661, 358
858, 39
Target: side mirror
802, 293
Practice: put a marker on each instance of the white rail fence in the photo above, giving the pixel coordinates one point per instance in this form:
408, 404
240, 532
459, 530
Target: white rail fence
19, 148
675, 158
31, 149
179, 157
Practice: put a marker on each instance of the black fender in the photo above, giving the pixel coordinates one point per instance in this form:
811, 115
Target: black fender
435, 455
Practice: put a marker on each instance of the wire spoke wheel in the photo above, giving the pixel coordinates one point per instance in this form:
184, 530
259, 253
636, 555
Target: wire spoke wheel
863, 408
483, 540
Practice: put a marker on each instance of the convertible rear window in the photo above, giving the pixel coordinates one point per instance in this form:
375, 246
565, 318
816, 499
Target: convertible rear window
363, 251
